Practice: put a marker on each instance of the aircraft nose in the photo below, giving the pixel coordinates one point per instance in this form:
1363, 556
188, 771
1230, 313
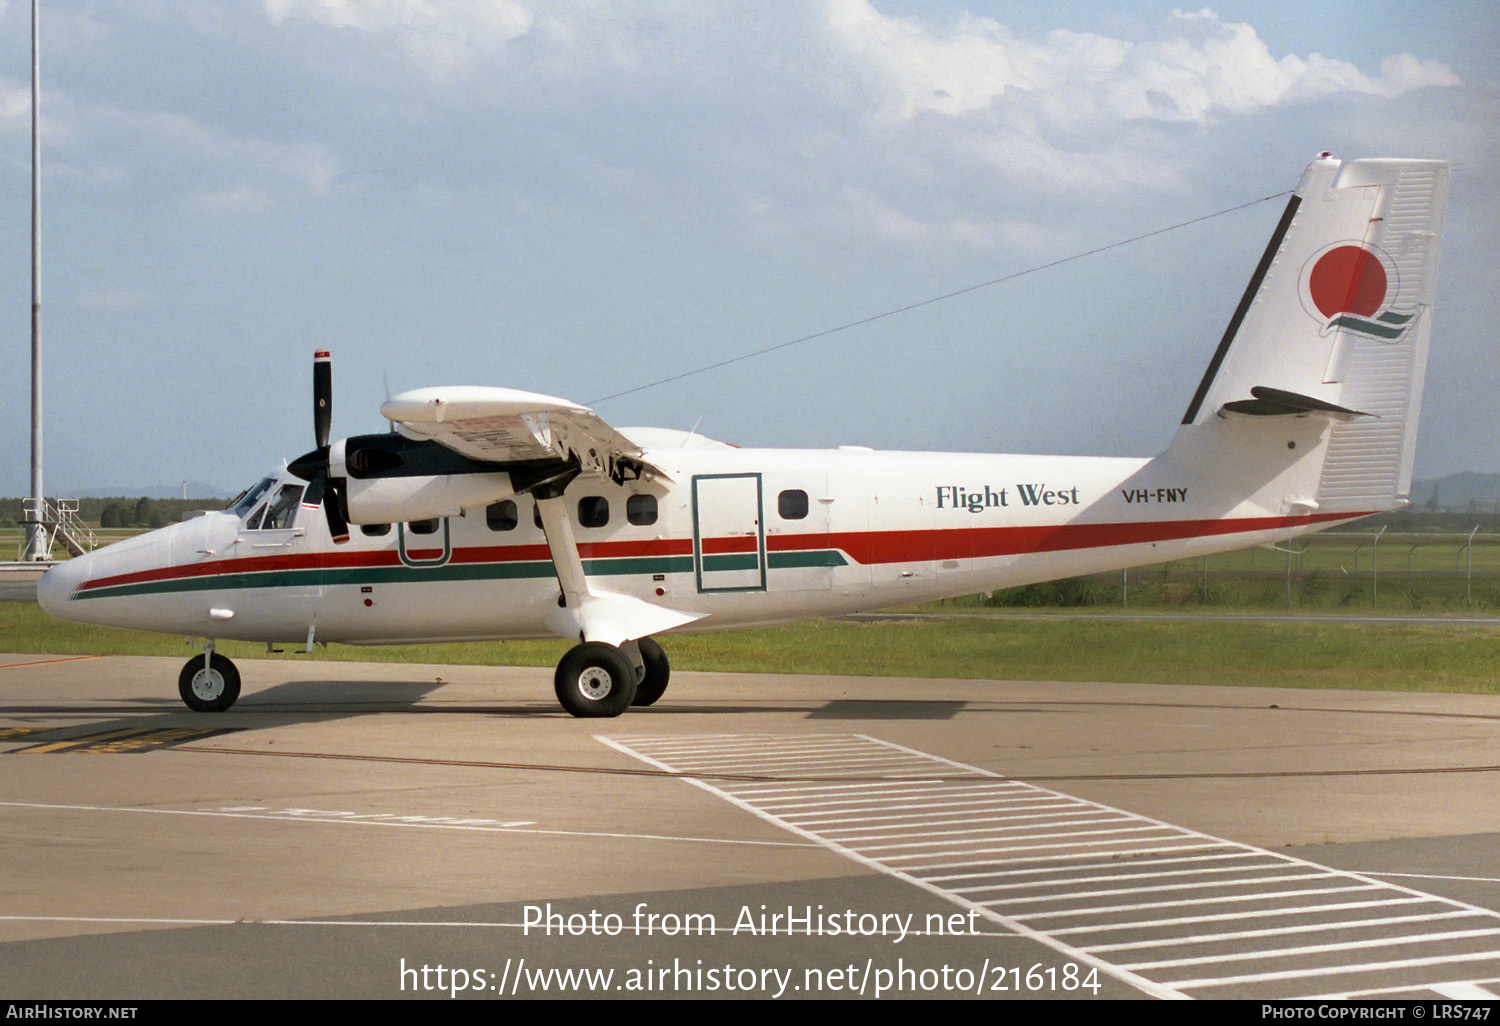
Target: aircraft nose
57, 585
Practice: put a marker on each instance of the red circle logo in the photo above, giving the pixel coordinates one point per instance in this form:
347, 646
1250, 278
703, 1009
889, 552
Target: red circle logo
1348, 279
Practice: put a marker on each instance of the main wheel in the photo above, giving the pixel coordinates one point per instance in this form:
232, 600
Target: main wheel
211, 688
658, 670
595, 679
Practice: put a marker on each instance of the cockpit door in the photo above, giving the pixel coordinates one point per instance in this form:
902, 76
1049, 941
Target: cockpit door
278, 547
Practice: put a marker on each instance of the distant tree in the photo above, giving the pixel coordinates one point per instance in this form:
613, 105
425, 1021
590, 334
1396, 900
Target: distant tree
149, 513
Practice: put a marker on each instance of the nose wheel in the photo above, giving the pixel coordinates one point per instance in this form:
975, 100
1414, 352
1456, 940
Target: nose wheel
209, 685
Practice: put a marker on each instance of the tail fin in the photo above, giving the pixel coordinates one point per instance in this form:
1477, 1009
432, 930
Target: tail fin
1316, 384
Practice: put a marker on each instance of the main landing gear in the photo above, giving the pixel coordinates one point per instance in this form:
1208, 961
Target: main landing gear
598, 680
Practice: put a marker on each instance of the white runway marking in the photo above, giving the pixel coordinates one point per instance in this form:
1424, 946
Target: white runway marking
392, 820
1466, 991
1169, 910
727, 930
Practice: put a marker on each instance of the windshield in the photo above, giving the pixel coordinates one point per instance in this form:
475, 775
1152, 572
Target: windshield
249, 497
280, 512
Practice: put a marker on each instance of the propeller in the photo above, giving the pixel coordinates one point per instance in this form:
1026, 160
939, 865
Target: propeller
312, 467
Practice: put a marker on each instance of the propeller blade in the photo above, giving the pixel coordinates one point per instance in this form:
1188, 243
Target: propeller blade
315, 485
322, 396
333, 511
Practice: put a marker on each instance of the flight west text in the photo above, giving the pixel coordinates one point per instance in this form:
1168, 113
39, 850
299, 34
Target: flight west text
1141, 496
977, 500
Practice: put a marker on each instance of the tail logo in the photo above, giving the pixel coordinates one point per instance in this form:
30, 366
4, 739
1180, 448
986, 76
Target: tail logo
1352, 286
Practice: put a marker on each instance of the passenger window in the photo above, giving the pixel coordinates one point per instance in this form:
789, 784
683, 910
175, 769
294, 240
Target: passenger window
281, 512
792, 504
375, 530
593, 511
640, 510
501, 516
423, 526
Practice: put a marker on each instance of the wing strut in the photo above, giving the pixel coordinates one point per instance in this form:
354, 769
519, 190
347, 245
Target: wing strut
587, 612
564, 549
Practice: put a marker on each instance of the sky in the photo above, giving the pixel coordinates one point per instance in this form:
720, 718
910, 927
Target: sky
581, 197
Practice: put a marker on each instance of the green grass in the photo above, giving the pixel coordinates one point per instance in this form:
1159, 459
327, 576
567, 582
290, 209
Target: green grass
1397, 657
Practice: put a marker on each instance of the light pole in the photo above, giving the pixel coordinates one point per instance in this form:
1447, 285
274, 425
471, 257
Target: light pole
36, 540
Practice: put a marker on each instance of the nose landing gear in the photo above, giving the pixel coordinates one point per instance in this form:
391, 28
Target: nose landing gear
209, 683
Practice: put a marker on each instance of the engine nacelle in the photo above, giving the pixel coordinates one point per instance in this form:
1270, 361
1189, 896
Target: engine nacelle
392, 499
387, 478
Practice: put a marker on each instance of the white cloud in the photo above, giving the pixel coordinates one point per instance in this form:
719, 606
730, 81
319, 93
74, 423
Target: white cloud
443, 38
866, 210
1197, 68
893, 104
15, 104
312, 166
230, 201
115, 300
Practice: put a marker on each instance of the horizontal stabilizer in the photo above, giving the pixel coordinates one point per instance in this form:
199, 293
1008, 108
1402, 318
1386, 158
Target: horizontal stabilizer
1276, 402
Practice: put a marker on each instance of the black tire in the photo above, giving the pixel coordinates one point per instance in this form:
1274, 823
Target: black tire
658, 672
209, 689
595, 680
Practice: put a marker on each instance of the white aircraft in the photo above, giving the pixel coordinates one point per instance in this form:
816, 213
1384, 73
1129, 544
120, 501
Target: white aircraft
493, 513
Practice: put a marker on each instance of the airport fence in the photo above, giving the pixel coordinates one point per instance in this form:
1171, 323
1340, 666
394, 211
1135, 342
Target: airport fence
1376, 569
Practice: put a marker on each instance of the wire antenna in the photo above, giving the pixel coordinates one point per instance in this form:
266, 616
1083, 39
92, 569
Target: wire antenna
934, 299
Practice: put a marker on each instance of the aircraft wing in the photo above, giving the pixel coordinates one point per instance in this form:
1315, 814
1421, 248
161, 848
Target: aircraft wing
505, 425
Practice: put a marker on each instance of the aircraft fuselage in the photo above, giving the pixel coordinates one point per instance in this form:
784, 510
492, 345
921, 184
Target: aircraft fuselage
742, 537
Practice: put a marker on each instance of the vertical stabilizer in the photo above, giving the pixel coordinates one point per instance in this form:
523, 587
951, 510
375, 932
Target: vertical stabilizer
1318, 378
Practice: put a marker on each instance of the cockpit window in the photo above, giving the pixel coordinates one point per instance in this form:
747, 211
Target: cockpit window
249, 497
282, 511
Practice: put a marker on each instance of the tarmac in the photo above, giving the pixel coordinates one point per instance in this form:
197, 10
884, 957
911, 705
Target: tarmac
382, 831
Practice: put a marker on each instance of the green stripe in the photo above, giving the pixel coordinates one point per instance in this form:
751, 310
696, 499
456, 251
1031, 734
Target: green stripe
1368, 327
736, 561
800, 560
529, 570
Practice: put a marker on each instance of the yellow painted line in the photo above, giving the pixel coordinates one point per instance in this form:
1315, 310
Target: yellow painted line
44, 662
8, 733
127, 740
84, 742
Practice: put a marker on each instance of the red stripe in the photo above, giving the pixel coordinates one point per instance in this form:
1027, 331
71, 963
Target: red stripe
867, 547
740, 543
909, 546
337, 560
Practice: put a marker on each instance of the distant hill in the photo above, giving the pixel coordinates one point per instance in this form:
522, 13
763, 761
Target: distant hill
1464, 492
154, 491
